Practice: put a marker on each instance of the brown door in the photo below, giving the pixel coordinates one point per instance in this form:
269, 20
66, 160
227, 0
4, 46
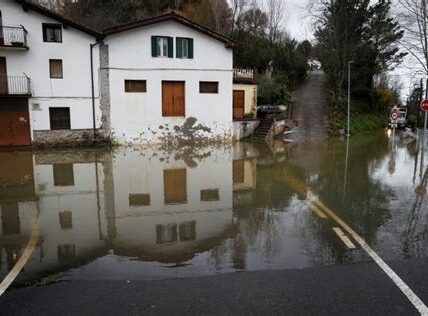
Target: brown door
14, 122
238, 104
3, 76
173, 101
175, 186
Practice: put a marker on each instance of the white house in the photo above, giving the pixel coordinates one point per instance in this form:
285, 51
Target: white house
170, 79
163, 79
45, 77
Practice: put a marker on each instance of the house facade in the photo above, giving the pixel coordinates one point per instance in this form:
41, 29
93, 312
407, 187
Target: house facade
160, 80
169, 80
45, 77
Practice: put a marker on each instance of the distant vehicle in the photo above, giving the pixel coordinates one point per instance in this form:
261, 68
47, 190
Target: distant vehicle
402, 119
267, 109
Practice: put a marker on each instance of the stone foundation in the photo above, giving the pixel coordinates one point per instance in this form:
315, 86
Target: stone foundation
68, 138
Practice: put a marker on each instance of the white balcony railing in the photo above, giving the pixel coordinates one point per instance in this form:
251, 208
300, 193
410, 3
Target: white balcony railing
243, 73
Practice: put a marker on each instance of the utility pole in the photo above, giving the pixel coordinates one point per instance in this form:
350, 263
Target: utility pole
349, 97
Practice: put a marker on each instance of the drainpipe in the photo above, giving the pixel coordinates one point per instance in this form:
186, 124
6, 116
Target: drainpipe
93, 87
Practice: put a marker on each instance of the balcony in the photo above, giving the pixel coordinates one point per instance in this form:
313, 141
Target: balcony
13, 37
244, 75
15, 85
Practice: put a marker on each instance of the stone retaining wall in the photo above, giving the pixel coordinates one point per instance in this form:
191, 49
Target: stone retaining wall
68, 138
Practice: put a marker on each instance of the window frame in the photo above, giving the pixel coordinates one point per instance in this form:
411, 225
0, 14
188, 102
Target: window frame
52, 109
160, 48
208, 91
51, 61
130, 88
55, 26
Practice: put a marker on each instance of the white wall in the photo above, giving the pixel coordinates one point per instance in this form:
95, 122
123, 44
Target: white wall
136, 117
74, 90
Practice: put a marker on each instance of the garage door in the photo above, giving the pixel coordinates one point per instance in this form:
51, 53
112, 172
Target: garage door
14, 122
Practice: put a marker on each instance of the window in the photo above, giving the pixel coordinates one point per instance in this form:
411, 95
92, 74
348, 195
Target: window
209, 195
139, 199
162, 46
135, 86
65, 220
66, 252
52, 33
60, 118
184, 48
166, 233
188, 231
63, 174
55, 68
175, 186
208, 87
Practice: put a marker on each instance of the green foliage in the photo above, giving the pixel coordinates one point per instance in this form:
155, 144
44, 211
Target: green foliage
360, 31
273, 92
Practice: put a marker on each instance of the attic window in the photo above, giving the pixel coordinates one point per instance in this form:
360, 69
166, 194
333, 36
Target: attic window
162, 46
184, 48
52, 33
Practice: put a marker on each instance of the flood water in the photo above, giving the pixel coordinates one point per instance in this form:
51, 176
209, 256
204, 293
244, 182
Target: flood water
160, 213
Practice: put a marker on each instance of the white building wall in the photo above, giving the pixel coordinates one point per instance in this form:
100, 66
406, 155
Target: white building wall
137, 117
74, 90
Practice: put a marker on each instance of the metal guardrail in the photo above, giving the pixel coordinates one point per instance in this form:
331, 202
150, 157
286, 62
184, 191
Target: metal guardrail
15, 85
13, 36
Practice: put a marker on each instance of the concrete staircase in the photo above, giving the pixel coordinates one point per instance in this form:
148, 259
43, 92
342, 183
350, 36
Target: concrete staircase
263, 131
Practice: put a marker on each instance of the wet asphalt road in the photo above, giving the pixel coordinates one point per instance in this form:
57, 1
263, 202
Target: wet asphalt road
349, 289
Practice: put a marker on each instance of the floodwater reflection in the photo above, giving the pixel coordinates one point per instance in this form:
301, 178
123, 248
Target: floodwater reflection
158, 213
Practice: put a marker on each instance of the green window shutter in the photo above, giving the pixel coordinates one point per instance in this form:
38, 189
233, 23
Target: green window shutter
154, 46
179, 47
190, 40
170, 47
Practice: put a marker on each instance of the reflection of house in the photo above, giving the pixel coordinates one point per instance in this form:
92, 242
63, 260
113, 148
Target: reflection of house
17, 205
169, 212
244, 181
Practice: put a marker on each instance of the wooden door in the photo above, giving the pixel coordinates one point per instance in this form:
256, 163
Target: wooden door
14, 122
238, 104
238, 171
175, 186
173, 98
3, 76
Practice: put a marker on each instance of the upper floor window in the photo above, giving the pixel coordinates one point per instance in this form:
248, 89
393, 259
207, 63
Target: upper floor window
55, 68
162, 46
184, 47
52, 32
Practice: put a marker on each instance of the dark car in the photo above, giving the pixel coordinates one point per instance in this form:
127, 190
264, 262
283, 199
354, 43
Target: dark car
267, 109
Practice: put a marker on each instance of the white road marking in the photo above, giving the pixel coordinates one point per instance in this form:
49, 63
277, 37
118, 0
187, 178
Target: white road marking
345, 239
31, 245
407, 291
316, 210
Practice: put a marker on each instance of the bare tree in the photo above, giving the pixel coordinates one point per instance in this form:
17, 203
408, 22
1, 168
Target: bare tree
414, 20
237, 7
276, 18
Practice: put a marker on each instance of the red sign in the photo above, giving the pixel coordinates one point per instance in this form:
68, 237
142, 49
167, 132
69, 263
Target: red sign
394, 115
424, 105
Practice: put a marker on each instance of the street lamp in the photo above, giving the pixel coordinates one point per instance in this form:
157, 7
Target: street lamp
349, 96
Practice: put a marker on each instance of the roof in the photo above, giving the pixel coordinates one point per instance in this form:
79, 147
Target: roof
27, 5
172, 16
56, 16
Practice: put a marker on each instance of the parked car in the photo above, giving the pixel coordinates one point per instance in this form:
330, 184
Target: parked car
401, 121
268, 109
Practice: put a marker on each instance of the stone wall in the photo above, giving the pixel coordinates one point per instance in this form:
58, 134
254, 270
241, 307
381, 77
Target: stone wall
68, 138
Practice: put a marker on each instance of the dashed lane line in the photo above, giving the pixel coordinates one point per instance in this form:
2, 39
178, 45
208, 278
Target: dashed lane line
302, 188
405, 289
345, 239
31, 245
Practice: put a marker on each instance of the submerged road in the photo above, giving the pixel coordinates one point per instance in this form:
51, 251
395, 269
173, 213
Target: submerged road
373, 287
